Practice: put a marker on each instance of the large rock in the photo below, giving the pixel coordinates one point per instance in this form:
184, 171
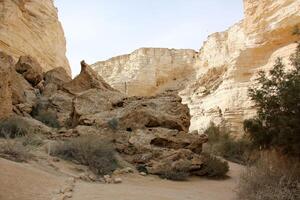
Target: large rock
161, 150
57, 76
5, 90
164, 110
87, 79
30, 69
32, 28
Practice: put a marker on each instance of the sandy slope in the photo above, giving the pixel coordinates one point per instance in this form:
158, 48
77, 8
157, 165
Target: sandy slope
152, 188
19, 181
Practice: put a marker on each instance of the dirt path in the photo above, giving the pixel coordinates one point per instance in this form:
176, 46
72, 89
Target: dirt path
136, 187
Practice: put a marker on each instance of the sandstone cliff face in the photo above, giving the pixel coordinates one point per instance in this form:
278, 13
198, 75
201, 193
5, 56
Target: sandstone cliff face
220, 74
148, 71
32, 28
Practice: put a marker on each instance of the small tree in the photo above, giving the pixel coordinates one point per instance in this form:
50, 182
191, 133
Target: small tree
277, 98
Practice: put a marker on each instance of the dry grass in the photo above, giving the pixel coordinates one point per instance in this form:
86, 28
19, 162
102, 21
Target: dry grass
13, 127
14, 150
271, 178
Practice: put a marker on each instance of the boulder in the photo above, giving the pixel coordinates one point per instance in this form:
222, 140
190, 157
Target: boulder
30, 69
5, 90
58, 76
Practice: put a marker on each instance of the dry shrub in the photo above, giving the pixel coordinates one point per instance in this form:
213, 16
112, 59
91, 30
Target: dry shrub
213, 167
179, 172
271, 178
95, 152
14, 150
13, 127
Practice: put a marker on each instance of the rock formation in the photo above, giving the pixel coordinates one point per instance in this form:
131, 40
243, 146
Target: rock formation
32, 28
148, 71
148, 132
220, 74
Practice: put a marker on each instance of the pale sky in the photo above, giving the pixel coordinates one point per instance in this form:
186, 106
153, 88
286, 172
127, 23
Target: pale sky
97, 30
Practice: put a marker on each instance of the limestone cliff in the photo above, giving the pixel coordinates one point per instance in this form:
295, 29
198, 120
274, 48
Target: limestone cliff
147, 71
235, 56
31, 27
219, 75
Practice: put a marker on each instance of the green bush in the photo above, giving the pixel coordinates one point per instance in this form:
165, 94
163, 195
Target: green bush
271, 178
220, 143
13, 127
213, 167
277, 124
96, 153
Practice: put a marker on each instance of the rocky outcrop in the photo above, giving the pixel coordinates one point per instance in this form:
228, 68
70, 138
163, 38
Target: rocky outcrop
219, 75
32, 28
148, 71
149, 132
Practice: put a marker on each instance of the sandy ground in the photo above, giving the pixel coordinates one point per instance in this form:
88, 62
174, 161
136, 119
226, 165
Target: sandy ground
136, 187
40, 180
19, 181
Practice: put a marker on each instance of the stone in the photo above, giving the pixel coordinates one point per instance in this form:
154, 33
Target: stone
143, 174
30, 70
117, 180
108, 179
32, 28
87, 79
57, 76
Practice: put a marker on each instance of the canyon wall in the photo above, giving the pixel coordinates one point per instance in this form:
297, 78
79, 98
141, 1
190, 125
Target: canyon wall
31, 27
148, 71
217, 77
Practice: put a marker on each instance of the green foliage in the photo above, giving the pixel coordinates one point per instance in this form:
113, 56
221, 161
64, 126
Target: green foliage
271, 178
113, 123
277, 99
222, 144
13, 127
92, 151
214, 167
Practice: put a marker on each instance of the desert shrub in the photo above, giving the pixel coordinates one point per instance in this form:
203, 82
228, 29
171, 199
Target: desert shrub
277, 124
14, 150
220, 143
213, 167
96, 153
32, 140
271, 178
176, 175
48, 118
13, 127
